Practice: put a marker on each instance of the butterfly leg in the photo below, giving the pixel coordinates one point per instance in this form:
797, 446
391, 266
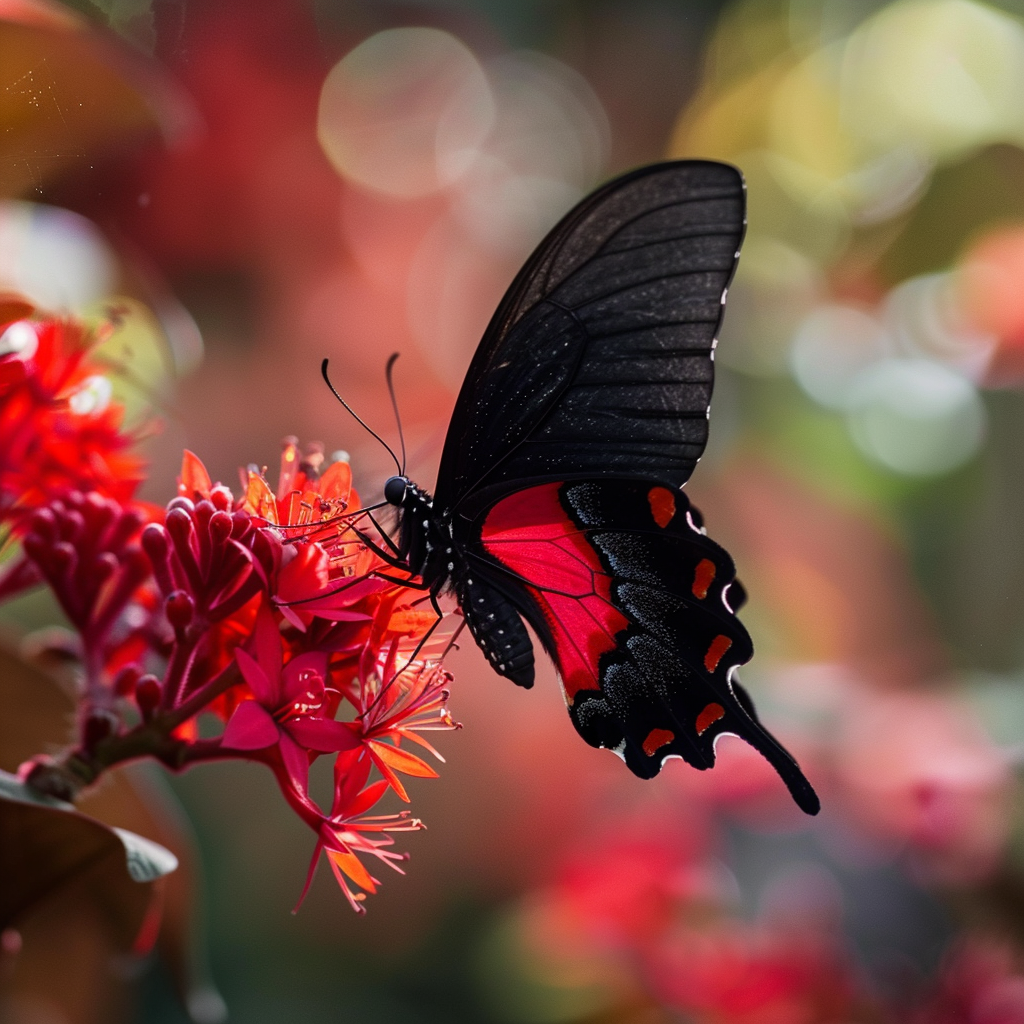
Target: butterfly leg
415, 653
385, 536
402, 583
395, 560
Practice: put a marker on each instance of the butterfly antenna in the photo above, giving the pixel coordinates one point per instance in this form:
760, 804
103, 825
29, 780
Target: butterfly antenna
373, 433
394, 405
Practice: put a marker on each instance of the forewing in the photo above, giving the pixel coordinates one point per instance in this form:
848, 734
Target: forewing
598, 362
636, 606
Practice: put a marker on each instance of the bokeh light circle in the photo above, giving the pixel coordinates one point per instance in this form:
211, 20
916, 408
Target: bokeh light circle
925, 317
19, 339
548, 145
916, 417
405, 111
942, 75
832, 347
54, 257
92, 396
988, 282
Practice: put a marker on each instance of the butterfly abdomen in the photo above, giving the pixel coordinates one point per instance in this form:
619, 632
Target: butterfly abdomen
497, 628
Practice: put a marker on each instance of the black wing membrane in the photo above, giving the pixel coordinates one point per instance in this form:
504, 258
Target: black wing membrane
669, 688
599, 360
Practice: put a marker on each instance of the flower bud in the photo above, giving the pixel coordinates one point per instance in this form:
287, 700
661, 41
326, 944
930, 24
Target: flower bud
105, 565
63, 557
220, 527
180, 608
222, 498
181, 528
71, 526
98, 725
43, 523
154, 543
241, 523
125, 680
147, 696
204, 511
99, 512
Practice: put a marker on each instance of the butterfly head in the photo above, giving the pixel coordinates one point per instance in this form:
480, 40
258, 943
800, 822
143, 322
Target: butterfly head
394, 490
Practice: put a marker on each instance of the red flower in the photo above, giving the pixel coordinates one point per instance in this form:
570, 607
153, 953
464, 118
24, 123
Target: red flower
267, 612
347, 832
60, 428
415, 700
313, 584
292, 709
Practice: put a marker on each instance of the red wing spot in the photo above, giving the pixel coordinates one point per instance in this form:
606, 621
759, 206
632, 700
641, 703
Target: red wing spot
663, 505
657, 738
703, 578
718, 647
707, 718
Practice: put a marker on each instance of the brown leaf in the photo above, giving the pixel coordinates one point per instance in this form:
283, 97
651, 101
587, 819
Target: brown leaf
69, 92
37, 712
46, 845
36, 716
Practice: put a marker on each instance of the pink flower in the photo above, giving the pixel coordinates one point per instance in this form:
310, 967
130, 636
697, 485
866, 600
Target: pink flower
348, 832
292, 709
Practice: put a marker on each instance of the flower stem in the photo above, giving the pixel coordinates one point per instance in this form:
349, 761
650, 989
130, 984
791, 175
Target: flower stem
180, 663
227, 677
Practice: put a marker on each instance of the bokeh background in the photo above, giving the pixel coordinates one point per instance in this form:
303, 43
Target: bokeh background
265, 184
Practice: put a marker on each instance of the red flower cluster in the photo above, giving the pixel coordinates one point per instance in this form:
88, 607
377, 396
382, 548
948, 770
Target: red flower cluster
648, 921
265, 613
59, 427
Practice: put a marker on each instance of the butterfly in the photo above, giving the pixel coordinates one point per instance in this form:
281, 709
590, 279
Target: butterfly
558, 502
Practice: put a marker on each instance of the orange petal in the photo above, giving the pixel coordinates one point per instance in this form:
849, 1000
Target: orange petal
353, 867
259, 498
336, 483
408, 620
402, 760
194, 478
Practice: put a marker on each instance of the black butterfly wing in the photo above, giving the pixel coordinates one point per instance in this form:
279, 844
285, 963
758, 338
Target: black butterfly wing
636, 607
598, 362
582, 414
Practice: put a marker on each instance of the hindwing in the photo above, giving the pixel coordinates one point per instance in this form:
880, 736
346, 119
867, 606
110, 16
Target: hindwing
637, 608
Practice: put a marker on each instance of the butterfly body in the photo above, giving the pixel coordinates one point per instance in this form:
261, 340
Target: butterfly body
559, 501
428, 548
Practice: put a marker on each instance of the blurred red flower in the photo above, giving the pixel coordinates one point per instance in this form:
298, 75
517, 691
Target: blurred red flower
61, 431
734, 974
980, 982
919, 769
